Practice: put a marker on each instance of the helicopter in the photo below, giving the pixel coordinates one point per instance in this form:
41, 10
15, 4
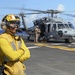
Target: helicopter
52, 27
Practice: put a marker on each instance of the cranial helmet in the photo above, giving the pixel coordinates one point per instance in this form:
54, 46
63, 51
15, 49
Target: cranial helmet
10, 19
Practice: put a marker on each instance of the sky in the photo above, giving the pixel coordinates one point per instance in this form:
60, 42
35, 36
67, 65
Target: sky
63, 5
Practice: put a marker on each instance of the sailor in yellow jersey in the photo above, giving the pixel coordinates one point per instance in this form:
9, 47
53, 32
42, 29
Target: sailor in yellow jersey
13, 51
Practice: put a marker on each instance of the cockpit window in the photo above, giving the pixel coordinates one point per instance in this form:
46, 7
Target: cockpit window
60, 26
71, 26
66, 25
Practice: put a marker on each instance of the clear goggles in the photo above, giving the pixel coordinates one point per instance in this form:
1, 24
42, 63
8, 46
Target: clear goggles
16, 24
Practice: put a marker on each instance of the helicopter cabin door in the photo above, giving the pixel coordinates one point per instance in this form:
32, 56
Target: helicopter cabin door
54, 32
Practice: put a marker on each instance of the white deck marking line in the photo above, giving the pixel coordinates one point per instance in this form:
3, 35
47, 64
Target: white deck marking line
33, 47
57, 44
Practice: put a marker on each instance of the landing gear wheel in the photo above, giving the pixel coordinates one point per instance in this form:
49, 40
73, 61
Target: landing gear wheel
68, 40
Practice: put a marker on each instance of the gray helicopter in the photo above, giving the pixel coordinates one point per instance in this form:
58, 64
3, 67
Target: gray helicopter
54, 28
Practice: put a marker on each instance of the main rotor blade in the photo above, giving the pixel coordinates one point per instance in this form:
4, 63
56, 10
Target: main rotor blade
31, 13
69, 15
34, 10
24, 14
26, 9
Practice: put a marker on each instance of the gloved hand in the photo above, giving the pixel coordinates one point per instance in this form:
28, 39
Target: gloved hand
25, 56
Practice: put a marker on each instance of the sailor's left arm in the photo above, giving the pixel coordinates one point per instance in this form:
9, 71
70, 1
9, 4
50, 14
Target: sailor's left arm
26, 55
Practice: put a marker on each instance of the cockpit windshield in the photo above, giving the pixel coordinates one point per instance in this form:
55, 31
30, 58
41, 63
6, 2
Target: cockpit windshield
61, 26
71, 26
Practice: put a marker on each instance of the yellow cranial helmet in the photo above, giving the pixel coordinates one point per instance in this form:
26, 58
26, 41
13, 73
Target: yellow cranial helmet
11, 17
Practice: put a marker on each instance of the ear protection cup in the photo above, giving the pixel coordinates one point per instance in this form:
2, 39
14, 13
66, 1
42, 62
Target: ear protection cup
5, 20
3, 25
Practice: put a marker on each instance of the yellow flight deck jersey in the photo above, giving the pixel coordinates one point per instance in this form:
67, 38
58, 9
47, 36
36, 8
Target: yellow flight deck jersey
13, 51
